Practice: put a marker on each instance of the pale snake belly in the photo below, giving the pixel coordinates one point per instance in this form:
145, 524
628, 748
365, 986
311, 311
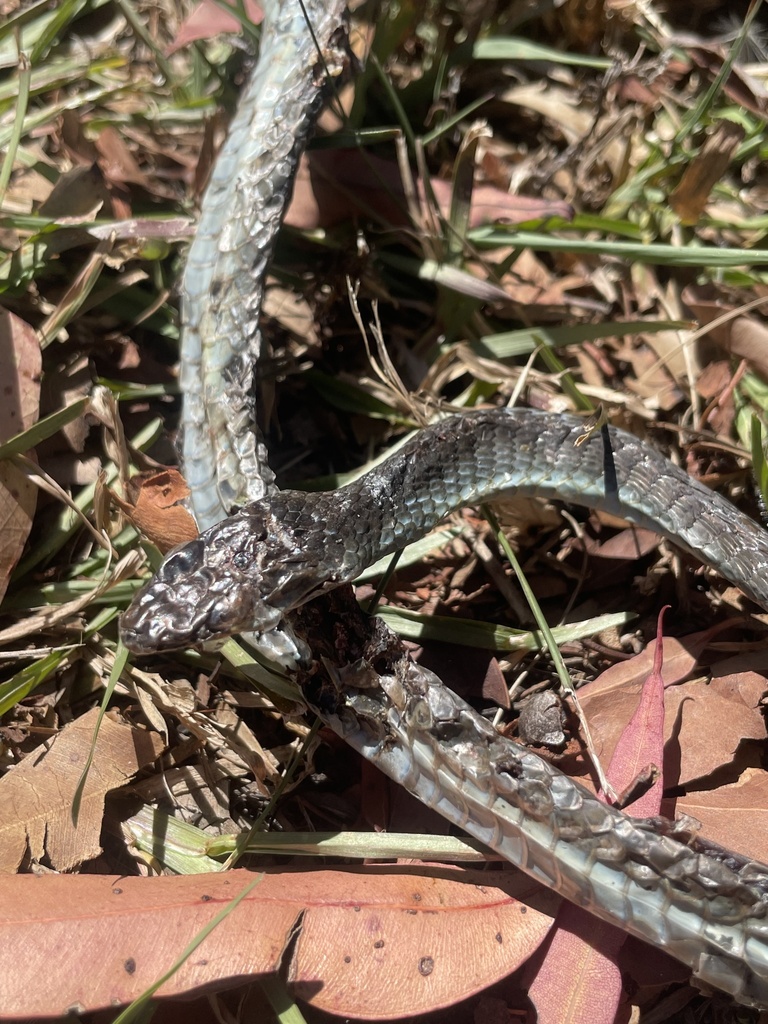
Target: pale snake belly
260, 567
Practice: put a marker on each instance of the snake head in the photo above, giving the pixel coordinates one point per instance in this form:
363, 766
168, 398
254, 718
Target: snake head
196, 596
239, 576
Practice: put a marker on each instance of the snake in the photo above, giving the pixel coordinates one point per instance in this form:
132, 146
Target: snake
273, 564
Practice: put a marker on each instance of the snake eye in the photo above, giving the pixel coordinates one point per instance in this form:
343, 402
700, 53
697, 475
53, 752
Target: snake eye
420, 715
241, 561
183, 561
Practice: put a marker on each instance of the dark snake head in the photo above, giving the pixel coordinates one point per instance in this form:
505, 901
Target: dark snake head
239, 576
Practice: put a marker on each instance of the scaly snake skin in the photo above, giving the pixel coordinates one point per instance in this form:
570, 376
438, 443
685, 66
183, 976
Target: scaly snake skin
224, 276
653, 878
246, 572
271, 560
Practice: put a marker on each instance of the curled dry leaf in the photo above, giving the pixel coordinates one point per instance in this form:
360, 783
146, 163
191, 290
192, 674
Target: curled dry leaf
155, 508
20, 364
409, 942
37, 796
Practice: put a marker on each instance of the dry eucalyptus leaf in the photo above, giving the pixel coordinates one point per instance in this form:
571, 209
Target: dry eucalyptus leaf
20, 364
37, 795
358, 943
724, 710
735, 816
706, 722
580, 962
413, 943
624, 679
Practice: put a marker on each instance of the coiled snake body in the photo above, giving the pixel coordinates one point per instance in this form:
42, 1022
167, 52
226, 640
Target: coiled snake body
705, 905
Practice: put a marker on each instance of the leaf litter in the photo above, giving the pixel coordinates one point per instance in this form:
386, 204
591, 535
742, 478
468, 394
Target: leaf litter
582, 149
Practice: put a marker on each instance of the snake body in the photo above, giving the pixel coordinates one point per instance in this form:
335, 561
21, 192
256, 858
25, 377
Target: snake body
651, 877
225, 460
245, 573
269, 561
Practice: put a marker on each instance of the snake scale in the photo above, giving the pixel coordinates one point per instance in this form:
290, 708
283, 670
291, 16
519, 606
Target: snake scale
260, 570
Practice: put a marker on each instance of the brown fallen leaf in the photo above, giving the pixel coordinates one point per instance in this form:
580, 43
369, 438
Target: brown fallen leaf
624, 679
705, 170
20, 364
629, 545
154, 506
118, 165
707, 721
710, 718
691, 708
749, 339
37, 796
531, 282
78, 195
715, 385
729, 811
744, 335
331, 183
357, 943
422, 945
612, 561
580, 963
641, 744
654, 360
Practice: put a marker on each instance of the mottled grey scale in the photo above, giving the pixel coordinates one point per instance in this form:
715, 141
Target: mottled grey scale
225, 459
314, 540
